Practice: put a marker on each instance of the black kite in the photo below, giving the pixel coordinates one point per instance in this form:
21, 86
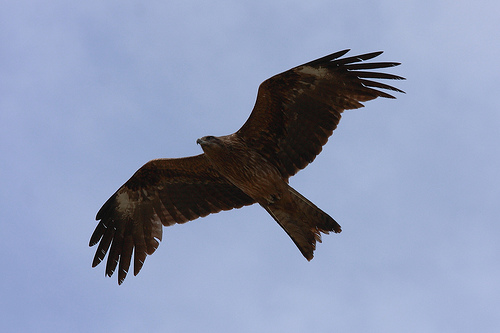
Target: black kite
294, 115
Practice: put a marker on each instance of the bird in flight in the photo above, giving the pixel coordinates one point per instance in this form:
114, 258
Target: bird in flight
294, 115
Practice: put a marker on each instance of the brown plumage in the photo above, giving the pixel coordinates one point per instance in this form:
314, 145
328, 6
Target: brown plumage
294, 115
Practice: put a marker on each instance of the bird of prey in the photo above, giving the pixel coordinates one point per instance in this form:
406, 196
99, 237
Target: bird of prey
294, 115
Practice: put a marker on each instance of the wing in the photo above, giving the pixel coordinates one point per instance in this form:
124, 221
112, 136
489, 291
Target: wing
162, 192
297, 111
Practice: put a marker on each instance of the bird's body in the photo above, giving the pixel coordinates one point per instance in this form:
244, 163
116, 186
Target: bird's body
294, 115
259, 179
243, 167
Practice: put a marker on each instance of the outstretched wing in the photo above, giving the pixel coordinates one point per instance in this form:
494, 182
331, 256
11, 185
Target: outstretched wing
296, 111
162, 192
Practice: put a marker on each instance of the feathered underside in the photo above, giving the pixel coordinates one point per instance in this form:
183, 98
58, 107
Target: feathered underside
298, 110
294, 115
162, 192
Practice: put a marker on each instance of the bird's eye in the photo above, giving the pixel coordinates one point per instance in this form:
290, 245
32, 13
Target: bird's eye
209, 138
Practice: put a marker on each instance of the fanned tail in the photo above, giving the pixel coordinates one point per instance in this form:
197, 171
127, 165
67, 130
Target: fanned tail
302, 221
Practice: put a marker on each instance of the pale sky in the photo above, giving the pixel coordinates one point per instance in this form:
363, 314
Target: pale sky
90, 91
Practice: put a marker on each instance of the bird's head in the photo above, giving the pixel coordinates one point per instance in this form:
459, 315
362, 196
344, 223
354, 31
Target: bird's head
217, 144
210, 143
207, 141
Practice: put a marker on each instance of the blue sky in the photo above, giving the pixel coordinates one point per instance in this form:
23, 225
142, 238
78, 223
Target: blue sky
91, 91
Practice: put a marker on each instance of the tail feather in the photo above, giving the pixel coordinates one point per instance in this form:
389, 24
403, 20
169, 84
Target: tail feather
301, 220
